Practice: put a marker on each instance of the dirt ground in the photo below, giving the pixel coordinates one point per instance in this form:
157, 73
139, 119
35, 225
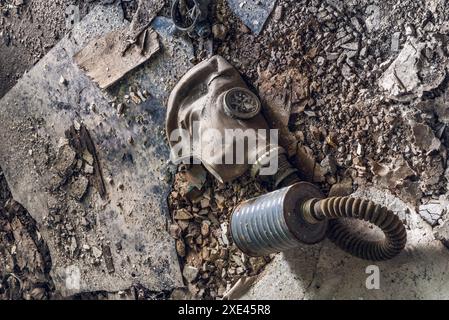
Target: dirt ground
357, 88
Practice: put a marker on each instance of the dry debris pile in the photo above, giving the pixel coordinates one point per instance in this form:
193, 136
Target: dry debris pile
201, 208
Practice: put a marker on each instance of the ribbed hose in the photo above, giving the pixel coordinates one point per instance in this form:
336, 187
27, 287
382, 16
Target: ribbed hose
347, 207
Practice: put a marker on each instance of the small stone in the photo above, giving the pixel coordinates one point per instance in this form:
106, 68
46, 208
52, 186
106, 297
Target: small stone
353, 46
181, 248
224, 232
183, 214
76, 125
205, 228
220, 200
329, 164
63, 81
88, 157
205, 203
135, 98
107, 254
97, 253
183, 224
88, 169
190, 273
141, 96
424, 138
219, 31
359, 149
78, 188
441, 233
395, 41
278, 13
120, 108
66, 159
175, 231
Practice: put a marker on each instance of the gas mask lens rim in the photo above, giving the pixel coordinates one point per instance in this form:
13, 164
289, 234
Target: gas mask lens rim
241, 103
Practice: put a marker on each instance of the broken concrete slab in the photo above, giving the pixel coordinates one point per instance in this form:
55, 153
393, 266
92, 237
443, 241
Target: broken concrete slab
433, 210
424, 138
325, 272
402, 78
131, 220
254, 14
412, 73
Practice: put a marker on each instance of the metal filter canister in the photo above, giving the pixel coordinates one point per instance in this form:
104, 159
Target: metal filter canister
274, 222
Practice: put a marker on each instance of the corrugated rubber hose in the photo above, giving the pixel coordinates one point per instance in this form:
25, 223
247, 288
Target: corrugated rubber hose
355, 208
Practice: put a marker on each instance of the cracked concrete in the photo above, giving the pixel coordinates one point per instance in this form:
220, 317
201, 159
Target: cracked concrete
96, 243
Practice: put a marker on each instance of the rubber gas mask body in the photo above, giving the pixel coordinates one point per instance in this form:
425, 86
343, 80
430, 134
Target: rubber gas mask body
214, 119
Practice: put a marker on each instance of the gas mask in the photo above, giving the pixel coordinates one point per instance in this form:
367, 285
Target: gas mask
214, 119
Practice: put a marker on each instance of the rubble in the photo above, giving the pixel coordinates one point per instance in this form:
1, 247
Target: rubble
441, 233
434, 210
78, 188
253, 13
425, 138
204, 244
408, 76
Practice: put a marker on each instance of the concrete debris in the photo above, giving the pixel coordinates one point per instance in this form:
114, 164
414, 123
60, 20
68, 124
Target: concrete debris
190, 273
394, 174
402, 78
210, 256
434, 210
253, 13
441, 233
78, 188
424, 138
283, 94
412, 73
